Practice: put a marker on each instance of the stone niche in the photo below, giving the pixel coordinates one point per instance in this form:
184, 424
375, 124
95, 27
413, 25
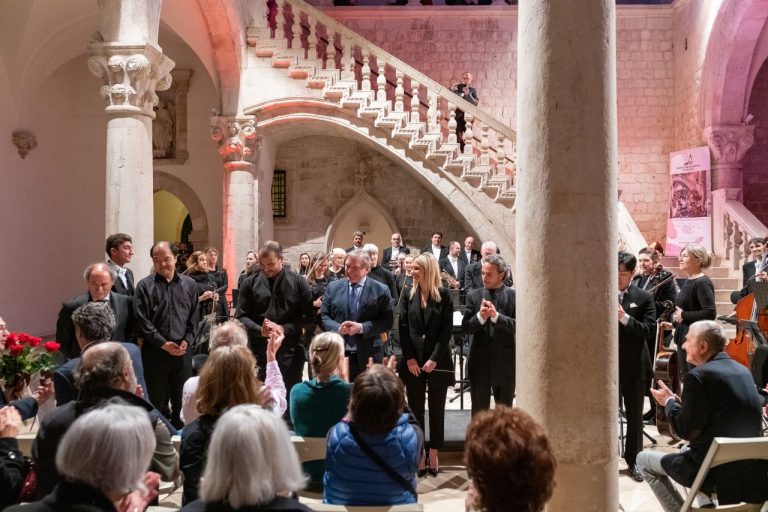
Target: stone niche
169, 128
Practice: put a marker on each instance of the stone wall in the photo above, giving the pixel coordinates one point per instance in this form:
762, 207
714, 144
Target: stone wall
755, 162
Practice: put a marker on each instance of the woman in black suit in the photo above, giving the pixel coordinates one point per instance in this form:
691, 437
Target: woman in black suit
425, 325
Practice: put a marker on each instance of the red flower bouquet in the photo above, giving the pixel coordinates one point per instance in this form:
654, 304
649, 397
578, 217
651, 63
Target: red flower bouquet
24, 356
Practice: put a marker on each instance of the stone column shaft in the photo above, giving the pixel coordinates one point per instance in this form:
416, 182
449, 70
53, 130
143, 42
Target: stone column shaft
566, 276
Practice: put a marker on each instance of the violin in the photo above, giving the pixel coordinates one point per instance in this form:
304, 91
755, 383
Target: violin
665, 368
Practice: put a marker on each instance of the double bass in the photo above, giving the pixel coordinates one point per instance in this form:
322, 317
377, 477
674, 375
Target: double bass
743, 345
665, 368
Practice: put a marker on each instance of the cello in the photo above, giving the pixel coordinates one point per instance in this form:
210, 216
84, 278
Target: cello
665, 368
741, 347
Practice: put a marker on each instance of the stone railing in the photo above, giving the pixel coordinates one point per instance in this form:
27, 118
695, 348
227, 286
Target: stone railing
371, 78
630, 236
733, 226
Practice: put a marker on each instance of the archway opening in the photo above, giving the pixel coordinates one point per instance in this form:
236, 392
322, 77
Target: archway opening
170, 217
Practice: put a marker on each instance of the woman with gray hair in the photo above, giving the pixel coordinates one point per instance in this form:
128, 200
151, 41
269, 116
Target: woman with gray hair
252, 465
103, 459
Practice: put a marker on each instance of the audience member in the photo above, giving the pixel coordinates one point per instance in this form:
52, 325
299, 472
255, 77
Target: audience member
320, 403
119, 249
509, 462
103, 459
378, 272
99, 279
11, 461
468, 93
105, 372
94, 323
228, 379
425, 326
166, 309
454, 267
359, 309
436, 247
221, 279
357, 241
469, 255
232, 333
373, 454
252, 465
336, 270
392, 252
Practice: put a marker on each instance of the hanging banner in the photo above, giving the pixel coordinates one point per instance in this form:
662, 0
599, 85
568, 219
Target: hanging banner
690, 218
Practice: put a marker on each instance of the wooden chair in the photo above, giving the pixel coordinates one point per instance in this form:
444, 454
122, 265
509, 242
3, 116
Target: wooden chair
724, 450
324, 507
309, 448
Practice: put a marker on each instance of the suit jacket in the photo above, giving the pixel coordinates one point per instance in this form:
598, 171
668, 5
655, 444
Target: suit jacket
493, 345
634, 359
470, 93
122, 307
463, 257
375, 313
443, 251
64, 375
425, 334
386, 278
288, 303
665, 292
719, 399
445, 266
748, 271
386, 258
118, 286
473, 278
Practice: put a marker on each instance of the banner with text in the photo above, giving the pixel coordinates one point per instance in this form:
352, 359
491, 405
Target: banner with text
690, 218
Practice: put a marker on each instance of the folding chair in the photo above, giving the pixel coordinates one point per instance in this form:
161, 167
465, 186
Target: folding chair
722, 451
309, 448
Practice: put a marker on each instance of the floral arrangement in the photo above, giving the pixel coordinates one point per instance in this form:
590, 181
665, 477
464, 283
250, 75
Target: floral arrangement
23, 356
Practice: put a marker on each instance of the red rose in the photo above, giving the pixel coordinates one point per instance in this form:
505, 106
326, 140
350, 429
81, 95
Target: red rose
33, 341
12, 339
51, 346
16, 350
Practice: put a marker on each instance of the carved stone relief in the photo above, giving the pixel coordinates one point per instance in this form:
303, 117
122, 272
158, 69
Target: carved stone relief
169, 128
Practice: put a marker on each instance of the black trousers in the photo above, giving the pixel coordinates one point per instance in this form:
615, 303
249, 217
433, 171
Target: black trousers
480, 392
415, 390
632, 394
165, 376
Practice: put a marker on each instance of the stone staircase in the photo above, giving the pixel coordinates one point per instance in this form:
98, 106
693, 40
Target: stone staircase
370, 84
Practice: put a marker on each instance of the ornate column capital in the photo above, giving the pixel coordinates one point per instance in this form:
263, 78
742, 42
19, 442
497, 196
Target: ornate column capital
131, 74
237, 139
729, 143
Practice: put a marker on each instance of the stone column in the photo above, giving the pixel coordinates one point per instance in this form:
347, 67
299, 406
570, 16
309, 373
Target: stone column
238, 145
133, 67
566, 279
729, 144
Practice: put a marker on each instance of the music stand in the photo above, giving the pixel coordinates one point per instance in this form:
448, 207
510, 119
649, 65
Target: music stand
458, 345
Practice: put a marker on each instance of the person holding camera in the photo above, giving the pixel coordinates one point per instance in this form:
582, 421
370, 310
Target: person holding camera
467, 93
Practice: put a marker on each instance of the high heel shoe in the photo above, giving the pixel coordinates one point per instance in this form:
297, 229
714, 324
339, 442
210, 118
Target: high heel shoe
433, 471
422, 472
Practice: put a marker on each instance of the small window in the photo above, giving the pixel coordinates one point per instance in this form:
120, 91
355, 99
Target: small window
278, 194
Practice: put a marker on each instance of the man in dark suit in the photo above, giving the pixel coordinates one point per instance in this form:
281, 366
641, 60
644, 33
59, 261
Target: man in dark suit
119, 249
468, 93
99, 278
469, 255
453, 266
719, 399
390, 253
438, 250
94, 323
473, 273
749, 269
280, 300
357, 241
359, 309
637, 320
490, 319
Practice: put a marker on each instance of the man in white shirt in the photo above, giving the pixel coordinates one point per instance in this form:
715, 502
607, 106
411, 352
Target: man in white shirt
438, 250
453, 266
119, 248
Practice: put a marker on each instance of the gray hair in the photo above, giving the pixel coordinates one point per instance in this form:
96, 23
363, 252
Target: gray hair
229, 333
361, 255
371, 249
711, 333
250, 459
498, 262
700, 253
489, 245
95, 320
108, 448
101, 366
99, 266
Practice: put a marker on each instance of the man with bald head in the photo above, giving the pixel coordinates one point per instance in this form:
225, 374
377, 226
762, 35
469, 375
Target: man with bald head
99, 279
166, 305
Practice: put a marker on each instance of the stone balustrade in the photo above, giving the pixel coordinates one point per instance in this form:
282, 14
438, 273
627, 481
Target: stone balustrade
733, 226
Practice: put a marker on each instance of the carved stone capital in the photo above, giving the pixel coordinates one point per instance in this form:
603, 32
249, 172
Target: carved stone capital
237, 139
132, 74
729, 143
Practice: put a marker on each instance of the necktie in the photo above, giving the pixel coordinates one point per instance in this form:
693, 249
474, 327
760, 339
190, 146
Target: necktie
354, 302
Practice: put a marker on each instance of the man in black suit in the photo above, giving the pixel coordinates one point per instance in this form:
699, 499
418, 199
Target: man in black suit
453, 266
99, 278
280, 300
94, 323
359, 309
749, 269
472, 273
357, 241
378, 272
719, 399
391, 253
119, 249
468, 93
637, 320
438, 250
469, 255
490, 319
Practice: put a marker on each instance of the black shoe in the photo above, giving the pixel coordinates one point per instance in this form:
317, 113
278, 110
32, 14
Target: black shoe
728, 319
433, 471
422, 473
634, 473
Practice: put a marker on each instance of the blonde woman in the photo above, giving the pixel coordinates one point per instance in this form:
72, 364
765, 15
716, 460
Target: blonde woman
426, 322
336, 260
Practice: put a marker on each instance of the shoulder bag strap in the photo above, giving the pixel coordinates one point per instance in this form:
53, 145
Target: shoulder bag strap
397, 477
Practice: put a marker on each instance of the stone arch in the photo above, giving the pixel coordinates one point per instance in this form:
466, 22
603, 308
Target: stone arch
164, 181
730, 62
372, 206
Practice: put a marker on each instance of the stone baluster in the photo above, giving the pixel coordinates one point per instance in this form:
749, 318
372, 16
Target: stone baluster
313, 39
285, 21
415, 101
727, 234
469, 136
399, 92
340, 52
294, 24
365, 73
501, 156
432, 125
485, 157
451, 123
381, 81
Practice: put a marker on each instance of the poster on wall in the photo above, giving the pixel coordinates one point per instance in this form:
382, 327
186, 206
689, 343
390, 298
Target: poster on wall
690, 218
